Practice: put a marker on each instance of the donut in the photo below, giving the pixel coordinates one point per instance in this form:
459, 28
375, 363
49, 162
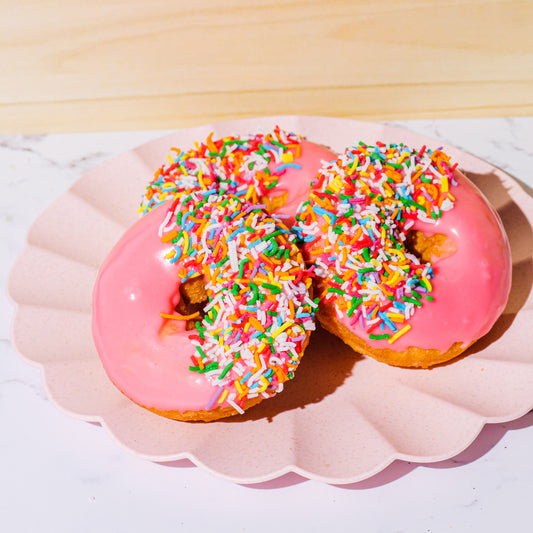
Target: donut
273, 168
203, 309
412, 264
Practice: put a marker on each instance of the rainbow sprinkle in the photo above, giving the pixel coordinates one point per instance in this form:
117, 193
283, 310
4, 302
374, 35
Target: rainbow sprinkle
246, 166
354, 226
259, 312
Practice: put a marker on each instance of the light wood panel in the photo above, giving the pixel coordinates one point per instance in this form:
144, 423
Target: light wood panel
103, 65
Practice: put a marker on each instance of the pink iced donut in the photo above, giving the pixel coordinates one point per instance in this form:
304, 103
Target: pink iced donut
255, 319
167, 263
412, 263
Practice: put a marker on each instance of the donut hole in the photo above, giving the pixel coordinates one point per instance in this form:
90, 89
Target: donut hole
429, 248
273, 202
193, 299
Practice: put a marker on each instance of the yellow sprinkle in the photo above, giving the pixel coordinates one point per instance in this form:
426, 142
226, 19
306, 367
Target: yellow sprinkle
266, 383
399, 253
399, 333
351, 170
336, 184
238, 387
281, 329
223, 396
287, 157
396, 317
200, 179
185, 243
388, 190
402, 158
170, 159
376, 263
427, 283
394, 280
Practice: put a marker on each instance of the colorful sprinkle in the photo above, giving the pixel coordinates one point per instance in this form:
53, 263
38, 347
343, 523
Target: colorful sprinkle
246, 166
250, 336
354, 225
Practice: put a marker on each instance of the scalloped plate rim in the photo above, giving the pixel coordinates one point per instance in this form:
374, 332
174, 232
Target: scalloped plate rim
518, 191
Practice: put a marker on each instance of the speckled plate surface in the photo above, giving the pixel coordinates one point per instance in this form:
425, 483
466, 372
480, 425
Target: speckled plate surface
344, 417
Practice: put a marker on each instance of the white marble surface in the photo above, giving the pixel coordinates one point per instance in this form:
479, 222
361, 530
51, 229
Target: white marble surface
60, 475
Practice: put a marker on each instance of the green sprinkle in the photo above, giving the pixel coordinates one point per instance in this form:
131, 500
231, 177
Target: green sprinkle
378, 337
225, 371
411, 300
277, 143
354, 306
272, 288
255, 290
201, 352
334, 289
222, 261
241, 268
268, 252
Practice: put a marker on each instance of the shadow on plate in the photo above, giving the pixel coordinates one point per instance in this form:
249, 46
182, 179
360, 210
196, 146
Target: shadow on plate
326, 364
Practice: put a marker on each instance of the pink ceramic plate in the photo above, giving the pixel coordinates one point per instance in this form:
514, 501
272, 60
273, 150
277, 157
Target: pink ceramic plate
344, 417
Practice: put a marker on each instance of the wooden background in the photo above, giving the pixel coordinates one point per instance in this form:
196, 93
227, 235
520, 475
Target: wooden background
132, 64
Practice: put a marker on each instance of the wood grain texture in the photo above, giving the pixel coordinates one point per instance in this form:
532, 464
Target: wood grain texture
116, 64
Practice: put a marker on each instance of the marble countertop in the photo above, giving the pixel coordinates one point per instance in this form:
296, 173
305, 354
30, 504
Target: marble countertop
60, 474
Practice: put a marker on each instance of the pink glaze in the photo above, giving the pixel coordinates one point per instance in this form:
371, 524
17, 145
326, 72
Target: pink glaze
136, 283
470, 287
296, 181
